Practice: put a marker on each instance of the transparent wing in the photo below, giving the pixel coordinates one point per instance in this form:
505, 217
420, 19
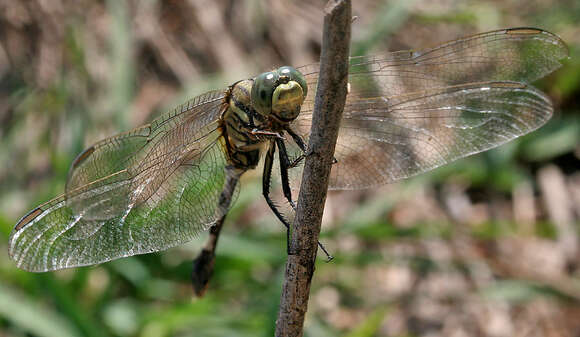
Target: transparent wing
142, 191
409, 112
387, 140
516, 54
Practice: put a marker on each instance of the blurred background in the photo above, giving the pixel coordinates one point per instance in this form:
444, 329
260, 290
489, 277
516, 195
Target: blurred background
487, 246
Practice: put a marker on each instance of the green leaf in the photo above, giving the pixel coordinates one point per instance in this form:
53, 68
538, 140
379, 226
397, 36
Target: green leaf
36, 320
370, 326
517, 291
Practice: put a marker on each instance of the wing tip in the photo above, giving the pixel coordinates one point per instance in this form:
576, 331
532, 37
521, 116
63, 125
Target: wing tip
555, 39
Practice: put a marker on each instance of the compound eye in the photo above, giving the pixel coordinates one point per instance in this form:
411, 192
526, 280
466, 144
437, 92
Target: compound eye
262, 90
294, 75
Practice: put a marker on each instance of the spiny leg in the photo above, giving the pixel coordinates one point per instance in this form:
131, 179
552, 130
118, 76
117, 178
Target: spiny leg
284, 165
266, 180
297, 139
300, 142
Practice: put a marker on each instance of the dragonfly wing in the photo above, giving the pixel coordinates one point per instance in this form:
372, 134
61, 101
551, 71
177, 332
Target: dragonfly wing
147, 152
139, 192
519, 54
452, 76
383, 140
516, 54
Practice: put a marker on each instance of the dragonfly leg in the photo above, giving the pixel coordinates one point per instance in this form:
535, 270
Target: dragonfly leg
266, 180
297, 139
284, 165
300, 142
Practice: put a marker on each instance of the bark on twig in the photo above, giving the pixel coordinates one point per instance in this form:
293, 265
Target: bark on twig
329, 104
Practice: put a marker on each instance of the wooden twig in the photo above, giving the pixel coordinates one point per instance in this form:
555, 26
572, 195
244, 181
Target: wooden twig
329, 104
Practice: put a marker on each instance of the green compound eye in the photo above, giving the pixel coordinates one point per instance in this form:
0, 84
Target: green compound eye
262, 90
294, 75
279, 93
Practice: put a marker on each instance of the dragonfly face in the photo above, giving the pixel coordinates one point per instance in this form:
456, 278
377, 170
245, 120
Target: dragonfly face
279, 93
407, 112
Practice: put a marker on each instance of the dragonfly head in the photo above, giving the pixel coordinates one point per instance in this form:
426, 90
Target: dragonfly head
279, 93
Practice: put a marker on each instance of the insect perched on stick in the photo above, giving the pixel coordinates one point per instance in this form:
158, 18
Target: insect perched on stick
407, 112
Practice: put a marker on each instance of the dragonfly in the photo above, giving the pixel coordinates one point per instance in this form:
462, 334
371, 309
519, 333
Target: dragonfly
407, 112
